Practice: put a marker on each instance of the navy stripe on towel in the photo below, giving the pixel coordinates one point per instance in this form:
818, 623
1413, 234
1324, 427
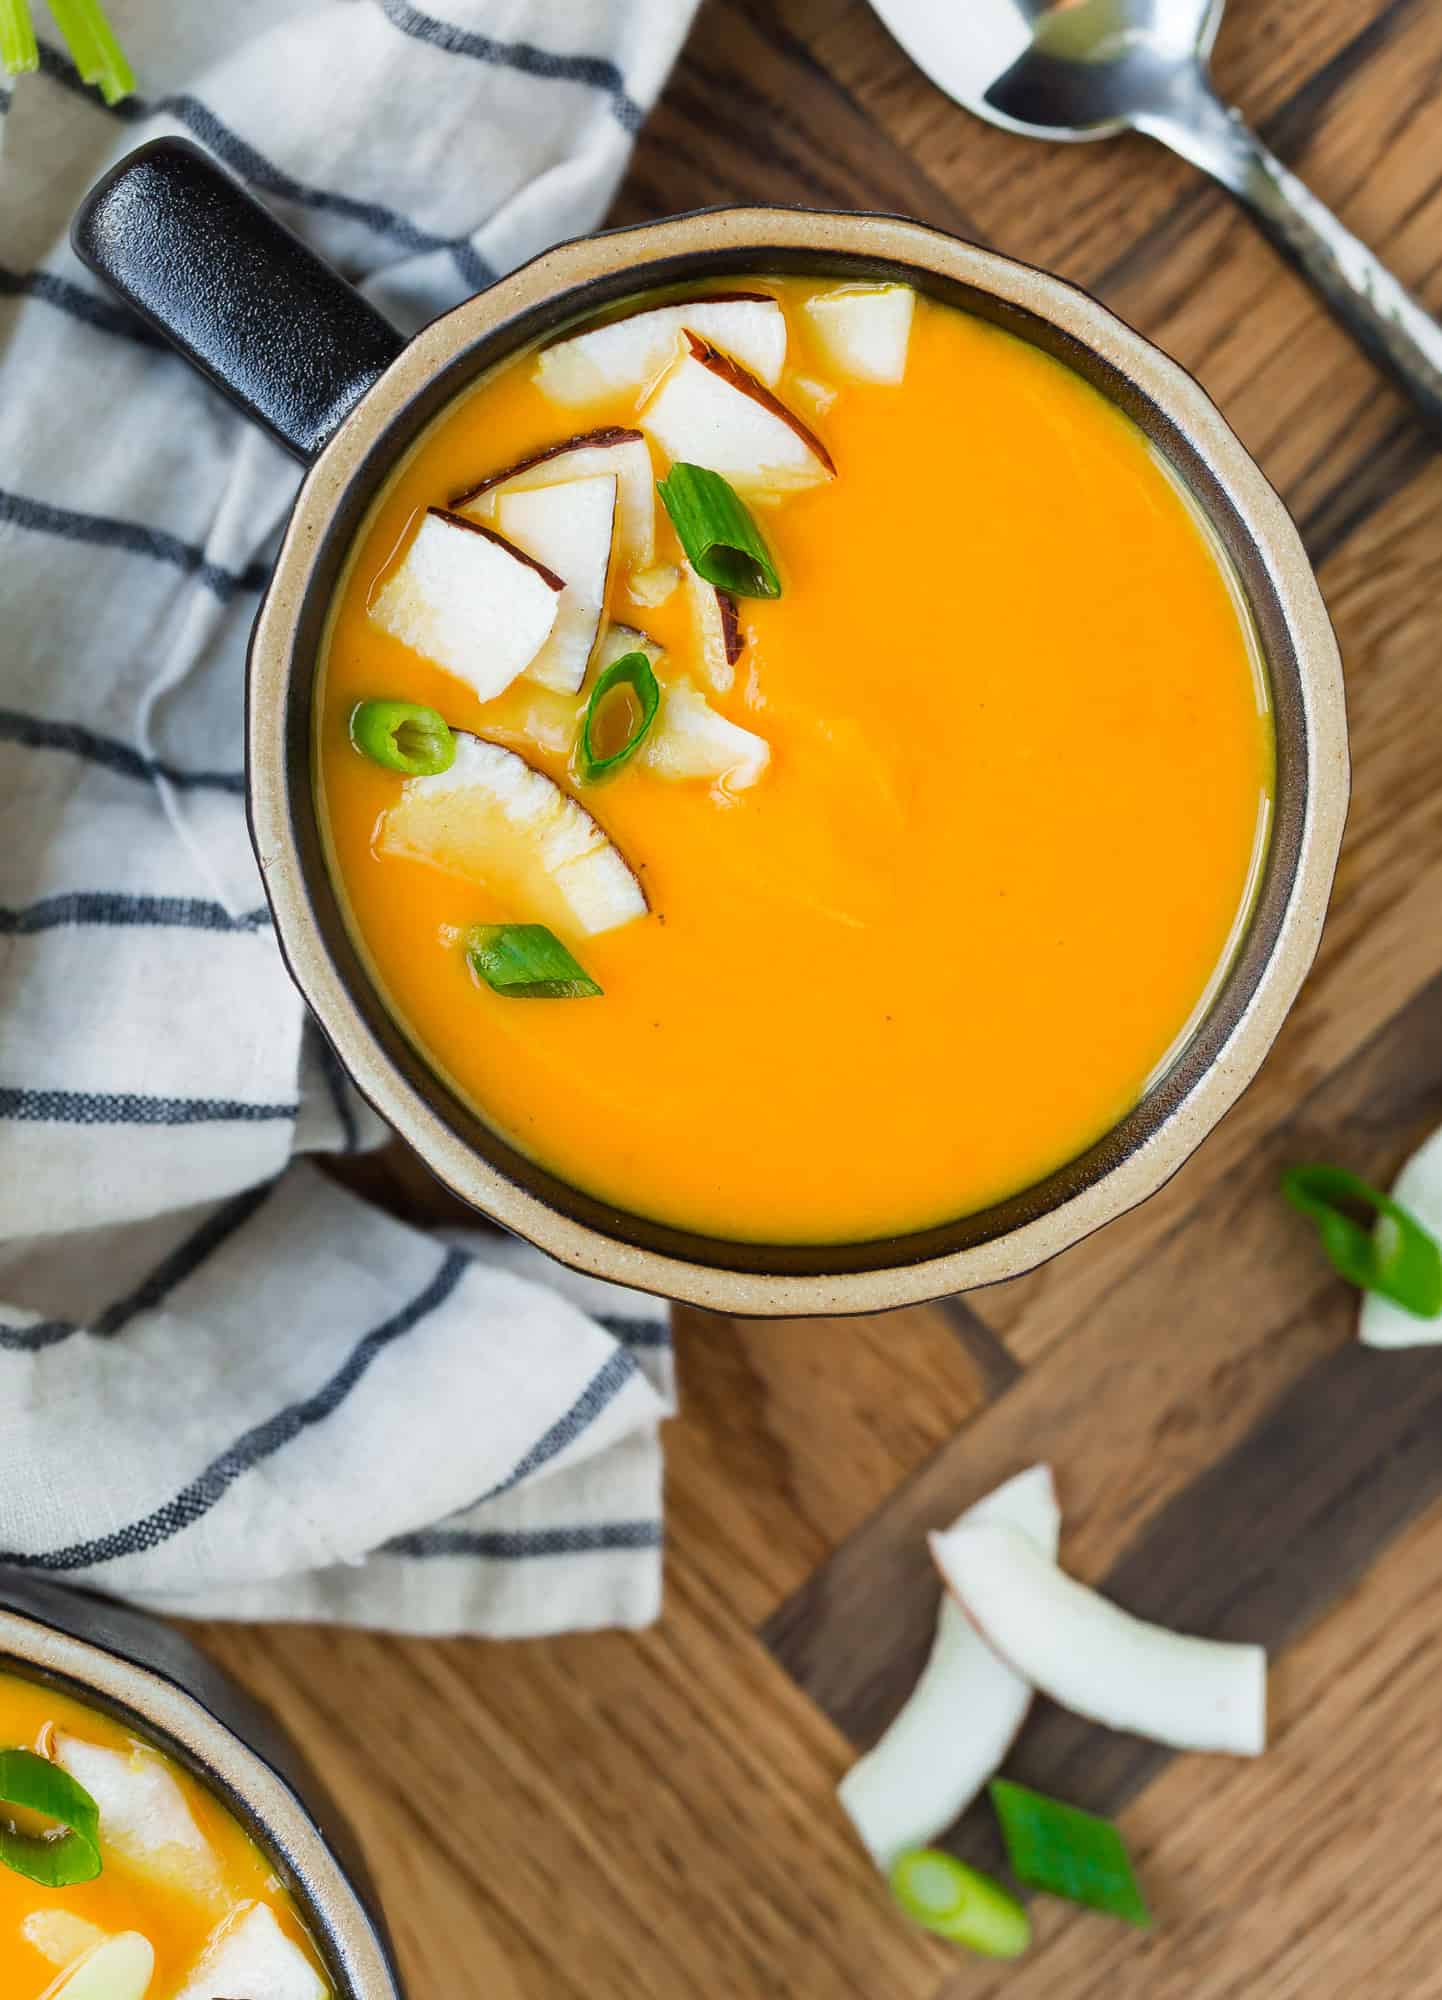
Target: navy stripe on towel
35, 732
636, 1332
183, 1262
195, 1501
604, 1386
521, 1544
79, 304
596, 72
123, 1107
80, 907
104, 532
252, 166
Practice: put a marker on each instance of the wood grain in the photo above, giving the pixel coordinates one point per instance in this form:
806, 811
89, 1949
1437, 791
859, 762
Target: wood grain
1143, 1408
1297, 1875
653, 1815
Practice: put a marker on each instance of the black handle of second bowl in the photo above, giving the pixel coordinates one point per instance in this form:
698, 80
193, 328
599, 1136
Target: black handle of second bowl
250, 305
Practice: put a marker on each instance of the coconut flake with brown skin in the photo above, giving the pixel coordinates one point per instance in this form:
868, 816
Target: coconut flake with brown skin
571, 530
718, 629
629, 353
465, 597
964, 1713
589, 455
1073, 1644
708, 411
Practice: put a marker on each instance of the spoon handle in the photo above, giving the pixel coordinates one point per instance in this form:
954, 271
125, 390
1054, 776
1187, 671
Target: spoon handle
1399, 334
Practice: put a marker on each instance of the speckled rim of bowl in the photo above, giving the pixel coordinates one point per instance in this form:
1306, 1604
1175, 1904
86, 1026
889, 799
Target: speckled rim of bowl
152, 1679
568, 284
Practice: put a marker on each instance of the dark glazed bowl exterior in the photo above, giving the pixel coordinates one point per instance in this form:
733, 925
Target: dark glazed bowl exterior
569, 284
148, 1677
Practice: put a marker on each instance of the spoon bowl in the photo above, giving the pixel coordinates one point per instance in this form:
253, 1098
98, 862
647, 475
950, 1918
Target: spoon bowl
1069, 70
1059, 69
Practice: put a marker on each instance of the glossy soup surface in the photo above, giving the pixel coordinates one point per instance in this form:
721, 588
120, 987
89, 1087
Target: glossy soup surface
178, 1897
1020, 766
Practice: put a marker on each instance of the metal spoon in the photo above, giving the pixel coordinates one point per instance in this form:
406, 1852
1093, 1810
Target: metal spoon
1086, 69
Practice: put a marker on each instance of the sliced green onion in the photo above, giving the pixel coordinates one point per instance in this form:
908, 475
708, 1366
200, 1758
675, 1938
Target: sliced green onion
1067, 1852
722, 542
632, 670
69, 1854
1397, 1257
98, 55
18, 48
527, 962
403, 736
959, 1903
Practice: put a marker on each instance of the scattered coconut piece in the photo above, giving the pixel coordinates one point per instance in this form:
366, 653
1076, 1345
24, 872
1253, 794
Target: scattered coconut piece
650, 587
249, 1954
718, 629
471, 601
143, 1813
1097, 1660
119, 1968
619, 639
1418, 1187
622, 453
690, 740
569, 529
964, 1713
629, 353
494, 819
60, 1936
864, 330
818, 396
709, 411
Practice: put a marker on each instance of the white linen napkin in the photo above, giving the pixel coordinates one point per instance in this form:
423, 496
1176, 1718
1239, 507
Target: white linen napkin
229, 1387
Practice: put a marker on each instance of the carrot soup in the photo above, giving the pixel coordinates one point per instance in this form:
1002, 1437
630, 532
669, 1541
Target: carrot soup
122, 1878
792, 759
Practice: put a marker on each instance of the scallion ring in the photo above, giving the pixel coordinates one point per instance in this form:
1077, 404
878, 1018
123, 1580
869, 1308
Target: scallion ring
403, 737
1396, 1256
722, 542
960, 1903
633, 671
56, 1859
527, 962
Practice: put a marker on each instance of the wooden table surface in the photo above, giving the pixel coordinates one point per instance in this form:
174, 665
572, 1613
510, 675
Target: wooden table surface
653, 1816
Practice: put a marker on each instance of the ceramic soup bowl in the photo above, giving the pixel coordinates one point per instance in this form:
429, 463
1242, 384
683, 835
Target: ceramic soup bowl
307, 357
146, 1677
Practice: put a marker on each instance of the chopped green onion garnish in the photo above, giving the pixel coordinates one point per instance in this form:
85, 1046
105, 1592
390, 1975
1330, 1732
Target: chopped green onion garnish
632, 670
1396, 1257
403, 737
1067, 1852
721, 540
527, 962
98, 55
960, 1903
58, 1859
18, 49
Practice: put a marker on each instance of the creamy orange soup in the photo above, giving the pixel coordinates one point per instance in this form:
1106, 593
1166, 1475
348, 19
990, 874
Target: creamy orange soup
1014, 807
177, 1872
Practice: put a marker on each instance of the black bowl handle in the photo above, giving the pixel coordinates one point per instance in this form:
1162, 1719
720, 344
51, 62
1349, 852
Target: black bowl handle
273, 325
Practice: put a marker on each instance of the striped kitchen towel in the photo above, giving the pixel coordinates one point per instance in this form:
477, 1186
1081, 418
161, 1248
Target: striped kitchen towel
229, 1387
